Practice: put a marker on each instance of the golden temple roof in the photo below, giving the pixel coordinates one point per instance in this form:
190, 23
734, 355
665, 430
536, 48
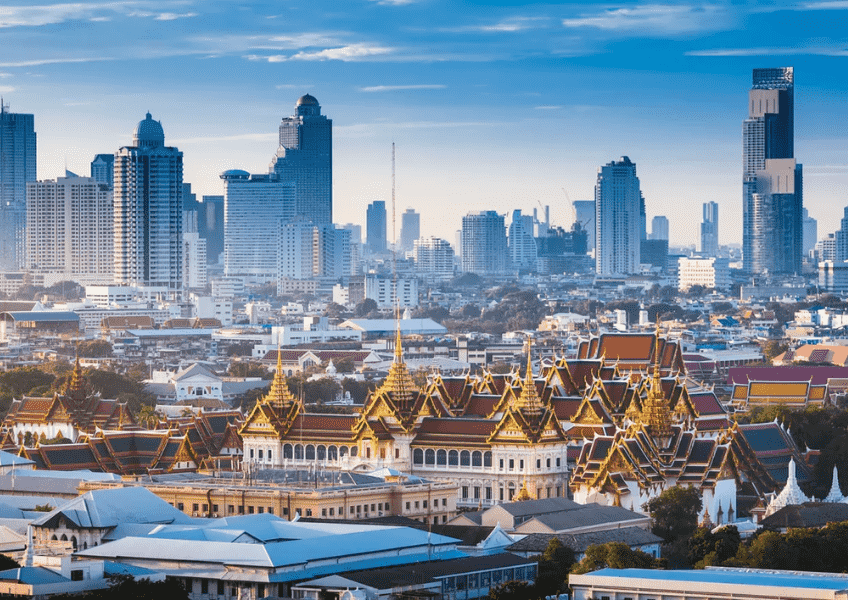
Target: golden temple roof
279, 396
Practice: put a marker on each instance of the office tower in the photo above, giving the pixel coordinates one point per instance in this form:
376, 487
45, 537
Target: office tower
654, 253
433, 258
375, 226
410, 229
194, 261
102, 169
772, 180
584, 214
618, 221
522, 245
70, 230
659, 228
210, 226
643, 218
331, 256
826, 248
709, 230
305, 157
811, 231
255, 209
542, 227
484, 246
148, 212
355, 232
17, 167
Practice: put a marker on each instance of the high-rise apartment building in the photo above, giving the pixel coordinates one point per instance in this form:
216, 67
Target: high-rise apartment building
811, 231
305, 157
772, 237
484, 244
410, 229
659, 228
255, 209
17, 167
433, 258
618, 219
522, 244
210, 226
584, 214
69, 230
148, 210
375, 226
709, 230
103, 169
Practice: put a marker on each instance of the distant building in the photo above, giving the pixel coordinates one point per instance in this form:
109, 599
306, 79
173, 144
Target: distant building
584, 214
618, 204
410, 229
522, 245
811, 234
659, 228
17, 167
148, 212
305, 158
103, 169
210, 226
484, 243
710, 273
709, 230
654, 252
433, 257
375, 223
833, 276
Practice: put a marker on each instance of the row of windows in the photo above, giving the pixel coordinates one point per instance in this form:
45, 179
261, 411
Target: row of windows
451, 458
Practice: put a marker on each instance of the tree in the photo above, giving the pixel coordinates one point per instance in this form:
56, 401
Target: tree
773, 348
675, 512
359, 390
249, 369
365, 308
554, 565
614, 555
95, 349
514, 590
470, 311
707, 548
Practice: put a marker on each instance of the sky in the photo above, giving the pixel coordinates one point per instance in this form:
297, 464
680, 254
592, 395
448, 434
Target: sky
491, 105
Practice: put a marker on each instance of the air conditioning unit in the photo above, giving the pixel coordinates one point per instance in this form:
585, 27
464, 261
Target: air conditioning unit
194, 514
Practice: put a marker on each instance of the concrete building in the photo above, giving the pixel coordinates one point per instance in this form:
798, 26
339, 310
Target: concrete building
375, 226
772, 234
811, 235
433, 258
210, 226
833, 276
148, 212
618, 229
255, 209
103, 169
584, 215
709, 230
659, 228
194, 261
522, 244
305, 158
70, 230
711, 273
410, 229
17, 167
484, 243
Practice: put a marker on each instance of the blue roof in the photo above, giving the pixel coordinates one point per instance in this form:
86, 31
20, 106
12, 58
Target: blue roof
45, 316
32, 575
786, 579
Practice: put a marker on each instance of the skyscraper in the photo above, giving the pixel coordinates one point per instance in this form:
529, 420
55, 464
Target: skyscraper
17, 167
522, 244
709, 230
148, 209
618, 219
375, 226
410, 229
811, 233
584, 214
210, 226
772, 181
305, 157
659, 228
102, 169
484, 246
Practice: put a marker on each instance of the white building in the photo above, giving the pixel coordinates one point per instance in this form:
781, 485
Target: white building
148, 212
194, 261
255, 207
208, 307
434, 258
711, 273
227, 286
833, 276
618, 228
383, 291
522, 244
69, 230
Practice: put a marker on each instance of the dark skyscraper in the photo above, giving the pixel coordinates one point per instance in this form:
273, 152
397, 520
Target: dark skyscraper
103, 169
305, 157
772, 181
375, 224
709, 230
410, 229
17, 166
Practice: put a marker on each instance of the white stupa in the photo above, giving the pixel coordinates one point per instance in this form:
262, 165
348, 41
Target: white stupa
835, 494
789, 495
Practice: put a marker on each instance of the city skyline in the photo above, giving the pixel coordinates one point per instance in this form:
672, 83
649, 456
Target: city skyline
536, 91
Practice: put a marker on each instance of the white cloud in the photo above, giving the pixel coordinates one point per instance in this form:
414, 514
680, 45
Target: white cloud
49, 14
349, 53
826, 5
395, 88
51, 61
790, 51
169, 16
4, 75
305, 40
548, 107
5, 89
654, 19
394, 2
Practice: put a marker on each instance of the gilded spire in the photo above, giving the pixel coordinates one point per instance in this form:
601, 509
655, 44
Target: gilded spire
529, 402
399, 384
279, 395
656, 414
75, 387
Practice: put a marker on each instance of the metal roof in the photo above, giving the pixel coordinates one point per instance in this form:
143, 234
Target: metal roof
44, 316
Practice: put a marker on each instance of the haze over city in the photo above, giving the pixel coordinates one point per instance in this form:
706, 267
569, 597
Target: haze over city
491, 105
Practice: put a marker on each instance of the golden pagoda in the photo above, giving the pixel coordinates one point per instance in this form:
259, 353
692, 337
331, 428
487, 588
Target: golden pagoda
279, 396
399, 385
75, 389
529, 403
655, 412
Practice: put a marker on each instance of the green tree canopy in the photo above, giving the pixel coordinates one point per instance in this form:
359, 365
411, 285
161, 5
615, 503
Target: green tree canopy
614, 555
675, 513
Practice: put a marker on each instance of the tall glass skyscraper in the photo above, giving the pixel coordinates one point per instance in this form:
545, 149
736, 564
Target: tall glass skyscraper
484, 244
375, 226
149, 212
709, 230
17, 167
305, 157
619, 224
772, 239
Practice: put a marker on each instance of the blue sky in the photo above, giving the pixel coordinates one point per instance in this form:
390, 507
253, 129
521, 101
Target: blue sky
492, 105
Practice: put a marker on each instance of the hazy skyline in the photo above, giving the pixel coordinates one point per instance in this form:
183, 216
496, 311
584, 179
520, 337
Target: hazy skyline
492, 105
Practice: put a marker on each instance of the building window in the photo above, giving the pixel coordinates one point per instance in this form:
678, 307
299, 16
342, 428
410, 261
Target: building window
260, 509
465, 492
215, 508
204, 586
180, 506
194, 508
521, 465
444, 501
501, 464
308, 512
220, 588
270, 510
424, 504
250, 510
397, 452
476, 492
538, 464
407, 506
557, 460
417, 504
511, 464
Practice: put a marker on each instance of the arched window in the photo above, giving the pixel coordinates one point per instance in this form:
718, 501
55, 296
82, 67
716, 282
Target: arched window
429, 457
487, 459
333, 453
288, 451
54, 538
310, 452
343, 451
64, 538
354, 450
465, 458
298, 452
441, 458
322, 452
418, 456
511, 491
477, 459
85, 545
74, 542
453, 458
